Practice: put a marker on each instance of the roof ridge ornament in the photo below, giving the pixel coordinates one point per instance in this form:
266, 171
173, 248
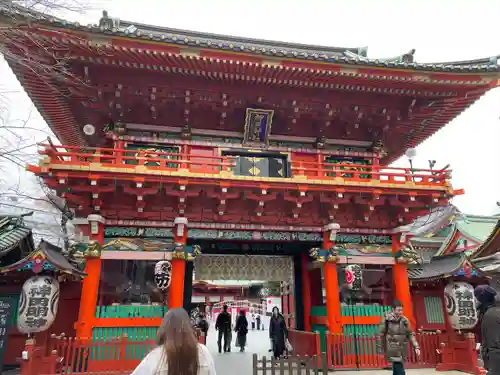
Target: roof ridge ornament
408, 57
108, 23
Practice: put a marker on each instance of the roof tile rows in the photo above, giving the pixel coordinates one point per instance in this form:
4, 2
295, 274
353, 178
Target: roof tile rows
350, 56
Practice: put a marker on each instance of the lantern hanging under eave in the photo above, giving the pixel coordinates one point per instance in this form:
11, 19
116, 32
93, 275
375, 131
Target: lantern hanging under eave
38, 304
461, 305
163, 274
354, 277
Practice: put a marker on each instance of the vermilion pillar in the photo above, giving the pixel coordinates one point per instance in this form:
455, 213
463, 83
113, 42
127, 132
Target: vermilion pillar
401, 281
333, 310
306, 292
90, 285
176, 294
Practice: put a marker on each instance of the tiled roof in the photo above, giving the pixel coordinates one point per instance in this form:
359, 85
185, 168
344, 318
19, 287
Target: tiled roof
51, 254
351, 56
12, 232
491, 244
442, 266
477, 227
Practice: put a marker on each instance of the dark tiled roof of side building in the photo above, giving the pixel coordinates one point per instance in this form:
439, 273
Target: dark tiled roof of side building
441, 266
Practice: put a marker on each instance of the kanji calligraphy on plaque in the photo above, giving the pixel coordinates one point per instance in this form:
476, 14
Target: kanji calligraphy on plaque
38, 304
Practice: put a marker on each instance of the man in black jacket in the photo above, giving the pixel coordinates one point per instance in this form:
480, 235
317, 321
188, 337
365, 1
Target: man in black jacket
223, 325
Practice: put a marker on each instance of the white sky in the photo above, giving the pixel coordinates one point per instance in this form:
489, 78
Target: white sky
440, 30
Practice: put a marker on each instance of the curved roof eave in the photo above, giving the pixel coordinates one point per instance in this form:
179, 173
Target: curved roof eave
448, 240
486, 248
265, 48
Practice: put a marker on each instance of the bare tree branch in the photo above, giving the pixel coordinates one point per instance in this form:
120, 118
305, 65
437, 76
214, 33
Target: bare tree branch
34, 50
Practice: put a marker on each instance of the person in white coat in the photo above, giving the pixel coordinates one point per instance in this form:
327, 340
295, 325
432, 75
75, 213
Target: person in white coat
178, 351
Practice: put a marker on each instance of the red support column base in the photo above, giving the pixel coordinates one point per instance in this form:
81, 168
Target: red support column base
176, 293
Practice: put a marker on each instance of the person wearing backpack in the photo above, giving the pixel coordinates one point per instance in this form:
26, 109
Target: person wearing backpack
395, 332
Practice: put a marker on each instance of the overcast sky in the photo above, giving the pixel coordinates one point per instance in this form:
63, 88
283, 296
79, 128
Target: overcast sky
439, 30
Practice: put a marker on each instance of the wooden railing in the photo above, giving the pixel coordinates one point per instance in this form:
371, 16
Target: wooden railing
170, 161
360, 351
82, 356
121, 356
304, 343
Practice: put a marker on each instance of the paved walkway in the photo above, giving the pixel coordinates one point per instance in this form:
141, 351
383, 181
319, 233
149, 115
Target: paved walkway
258, 342
236, 362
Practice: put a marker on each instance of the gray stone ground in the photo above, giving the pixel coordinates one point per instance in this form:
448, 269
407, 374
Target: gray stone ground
236, 363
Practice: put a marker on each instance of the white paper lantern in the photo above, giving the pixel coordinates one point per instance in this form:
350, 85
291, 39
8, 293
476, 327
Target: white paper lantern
461, 305
354, 277
163, 274
38, 304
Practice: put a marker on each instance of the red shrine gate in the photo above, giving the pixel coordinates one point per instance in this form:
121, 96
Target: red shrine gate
172, 127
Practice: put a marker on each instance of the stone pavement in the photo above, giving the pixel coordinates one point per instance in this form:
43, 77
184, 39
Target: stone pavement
236, 362
258, 342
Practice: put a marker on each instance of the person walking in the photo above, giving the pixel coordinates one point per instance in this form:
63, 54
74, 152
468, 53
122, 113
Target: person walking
178, 351
489, 315
223, 325
257, 320
203, 326
241, 329
253, 321
395, 332
278, 333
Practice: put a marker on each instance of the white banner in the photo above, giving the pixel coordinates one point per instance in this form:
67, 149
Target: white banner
272, 302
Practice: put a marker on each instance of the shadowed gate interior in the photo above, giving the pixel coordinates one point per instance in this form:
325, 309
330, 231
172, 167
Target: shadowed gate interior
269, 262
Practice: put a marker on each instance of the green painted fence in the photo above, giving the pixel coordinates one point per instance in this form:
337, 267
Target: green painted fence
354, 310
353, 330
365, 310
140, 339
131, 311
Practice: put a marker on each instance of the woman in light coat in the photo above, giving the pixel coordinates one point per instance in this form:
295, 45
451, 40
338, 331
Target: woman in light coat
178, 351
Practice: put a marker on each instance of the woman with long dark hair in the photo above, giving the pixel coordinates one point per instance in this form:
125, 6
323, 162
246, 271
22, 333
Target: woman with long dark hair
278, 333
178, 351
241, 329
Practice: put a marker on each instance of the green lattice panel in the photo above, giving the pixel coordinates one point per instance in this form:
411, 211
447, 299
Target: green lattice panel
359, 330
360, 339
434, 309
354, 310
365, 310
130, 311
139, 337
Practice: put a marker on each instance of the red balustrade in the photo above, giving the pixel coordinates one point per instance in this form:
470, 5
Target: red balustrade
121, 356
171, 161
303, 343
83, 356
363, 352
